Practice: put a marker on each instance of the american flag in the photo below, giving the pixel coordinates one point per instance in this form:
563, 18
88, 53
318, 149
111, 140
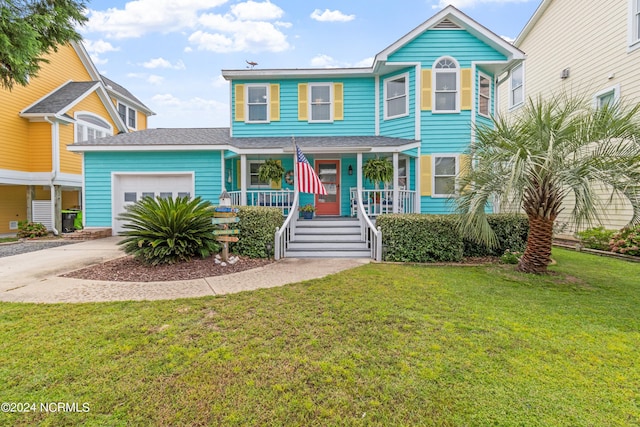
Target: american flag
308, 181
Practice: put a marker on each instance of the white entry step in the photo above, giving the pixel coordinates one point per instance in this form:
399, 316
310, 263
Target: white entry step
328, 238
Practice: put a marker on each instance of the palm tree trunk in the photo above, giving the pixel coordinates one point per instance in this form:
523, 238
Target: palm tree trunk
537, 255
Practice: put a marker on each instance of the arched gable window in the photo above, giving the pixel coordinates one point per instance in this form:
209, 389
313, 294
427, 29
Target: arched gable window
446, 76
89, 127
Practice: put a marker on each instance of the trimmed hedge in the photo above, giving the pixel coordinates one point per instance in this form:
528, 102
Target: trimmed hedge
435, 238
257, 227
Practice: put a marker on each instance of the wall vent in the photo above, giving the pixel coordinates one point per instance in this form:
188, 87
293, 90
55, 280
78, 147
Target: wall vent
447, 25
13, 225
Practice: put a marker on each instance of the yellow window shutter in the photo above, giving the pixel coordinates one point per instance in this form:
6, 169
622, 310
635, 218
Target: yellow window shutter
277, 185
425, 102
238, 176
465, 83
425, 175
239, 103
338, 101
275, 103
303, 102
464, 167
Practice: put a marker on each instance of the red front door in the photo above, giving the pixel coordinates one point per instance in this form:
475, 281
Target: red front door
329, 173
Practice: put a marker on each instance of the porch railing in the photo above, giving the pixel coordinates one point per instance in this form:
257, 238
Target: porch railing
282, 199
287, 231
369, 233
377, 202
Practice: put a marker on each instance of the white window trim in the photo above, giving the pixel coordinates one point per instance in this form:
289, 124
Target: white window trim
483, 75
406, 95
248, 174
616, 94
521, 103
331, 101
433, 177
632, 26
87, 125
128, 111
433, 85
246, 104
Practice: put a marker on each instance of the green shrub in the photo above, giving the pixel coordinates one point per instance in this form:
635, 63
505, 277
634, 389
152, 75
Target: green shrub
28, 229
511, 257
596, 238
626, 241
511, 232
257, 228
165, 231
420, 238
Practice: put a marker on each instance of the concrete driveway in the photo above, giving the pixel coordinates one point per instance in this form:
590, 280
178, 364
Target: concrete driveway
34, 276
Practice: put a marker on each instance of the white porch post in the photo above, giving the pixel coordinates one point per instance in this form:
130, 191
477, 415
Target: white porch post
243, 180
418, 178
396, 193
359, 172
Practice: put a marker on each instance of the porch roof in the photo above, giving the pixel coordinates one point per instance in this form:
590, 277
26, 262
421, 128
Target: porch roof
310, 144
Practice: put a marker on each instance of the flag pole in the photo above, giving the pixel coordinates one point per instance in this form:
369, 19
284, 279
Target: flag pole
296, 187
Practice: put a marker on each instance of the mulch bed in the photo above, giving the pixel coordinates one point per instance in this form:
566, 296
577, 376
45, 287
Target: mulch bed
128, 269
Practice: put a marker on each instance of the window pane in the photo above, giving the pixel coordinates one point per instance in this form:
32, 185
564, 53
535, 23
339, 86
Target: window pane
184, 194
166, 195
445, 185
257, 95
132, 118
516, 77
91, 134
445, 166
122, 112
517, 96
484, 105
321, 112
445, 81
396, 107
79, 133
320, 94
253, 167
130, 197
396, 88
257, 113
152, 195
445, 101
485, 86
606, 99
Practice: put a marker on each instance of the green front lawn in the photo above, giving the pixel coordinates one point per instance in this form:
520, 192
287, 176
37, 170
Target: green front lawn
378, 345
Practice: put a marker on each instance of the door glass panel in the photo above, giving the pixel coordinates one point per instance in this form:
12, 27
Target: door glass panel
328, 175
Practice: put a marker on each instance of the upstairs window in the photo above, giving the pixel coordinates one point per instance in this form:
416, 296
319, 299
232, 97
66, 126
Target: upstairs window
257, 103
446, 75
320, 102
444, 177
634, 23
484, 96
128, 115
396, 101
89, 127
516, 86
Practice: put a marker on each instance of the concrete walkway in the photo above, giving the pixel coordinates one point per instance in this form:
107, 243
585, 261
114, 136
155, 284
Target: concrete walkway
34, 276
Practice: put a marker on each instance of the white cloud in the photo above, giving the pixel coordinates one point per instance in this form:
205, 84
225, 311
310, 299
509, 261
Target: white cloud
194, 112
95, 48
472, 3
254, 11
219, 82
155, 80
140, 17
326, 61
331, 16
163, 63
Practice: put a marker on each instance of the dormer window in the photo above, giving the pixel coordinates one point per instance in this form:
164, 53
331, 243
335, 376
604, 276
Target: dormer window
128, 115
446, 76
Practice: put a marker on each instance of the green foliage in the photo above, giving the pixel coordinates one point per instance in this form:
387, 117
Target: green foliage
271, 171
627, 241
378, 170
28, 229
429, 238
307, 208
160, 231
511, 257
596, 238
420, 238
257, 228
29, 29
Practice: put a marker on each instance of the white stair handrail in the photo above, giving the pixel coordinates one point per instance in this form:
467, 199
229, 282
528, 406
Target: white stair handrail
370, 234
286, 232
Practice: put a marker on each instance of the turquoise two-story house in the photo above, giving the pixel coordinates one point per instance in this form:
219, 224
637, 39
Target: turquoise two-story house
417, 106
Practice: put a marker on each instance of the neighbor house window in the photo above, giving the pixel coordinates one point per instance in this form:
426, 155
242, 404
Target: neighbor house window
516, 86
446, 76
607, 96
320, 96
89, 127
396, 101
445, 169
257, 103
253, 179
128, 115
634, 22
484, 96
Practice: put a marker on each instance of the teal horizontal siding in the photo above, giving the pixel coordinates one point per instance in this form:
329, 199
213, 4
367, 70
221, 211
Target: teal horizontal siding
436, 206
445, 133
433, 44
100, 165
359, 112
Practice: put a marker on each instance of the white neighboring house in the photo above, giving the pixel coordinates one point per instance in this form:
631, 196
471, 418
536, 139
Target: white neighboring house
581, 48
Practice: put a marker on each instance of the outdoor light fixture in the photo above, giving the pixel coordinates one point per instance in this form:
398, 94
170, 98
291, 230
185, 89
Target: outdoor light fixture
350, 170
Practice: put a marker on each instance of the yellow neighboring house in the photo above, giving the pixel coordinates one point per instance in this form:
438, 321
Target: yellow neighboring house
582, 50
69, 101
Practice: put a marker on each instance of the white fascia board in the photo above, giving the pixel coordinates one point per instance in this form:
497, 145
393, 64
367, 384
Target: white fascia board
96, 148
111, 108
24, 178
126, 100
398, 149
86, 60
296, 72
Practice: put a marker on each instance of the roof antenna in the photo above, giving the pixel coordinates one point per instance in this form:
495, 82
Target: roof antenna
251, 64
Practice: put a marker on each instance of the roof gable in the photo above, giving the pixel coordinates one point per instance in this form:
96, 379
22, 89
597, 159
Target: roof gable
532, 22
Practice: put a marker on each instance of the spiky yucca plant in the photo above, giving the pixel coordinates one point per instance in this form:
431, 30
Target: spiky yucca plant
165, 231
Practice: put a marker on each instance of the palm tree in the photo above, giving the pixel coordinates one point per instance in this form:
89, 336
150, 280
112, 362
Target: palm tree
551, 150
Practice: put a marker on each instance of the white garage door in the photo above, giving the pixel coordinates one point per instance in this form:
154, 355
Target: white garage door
129, 188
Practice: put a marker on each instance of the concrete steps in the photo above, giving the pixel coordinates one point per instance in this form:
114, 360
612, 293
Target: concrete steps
327, 238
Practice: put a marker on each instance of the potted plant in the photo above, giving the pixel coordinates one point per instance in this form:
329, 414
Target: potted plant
378, 170
307, 211
271, 171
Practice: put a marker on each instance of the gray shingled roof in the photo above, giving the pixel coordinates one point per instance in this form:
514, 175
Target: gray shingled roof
57, 101
121, 90
220, 136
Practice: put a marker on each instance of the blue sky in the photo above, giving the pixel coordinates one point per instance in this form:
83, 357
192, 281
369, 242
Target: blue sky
169, 53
